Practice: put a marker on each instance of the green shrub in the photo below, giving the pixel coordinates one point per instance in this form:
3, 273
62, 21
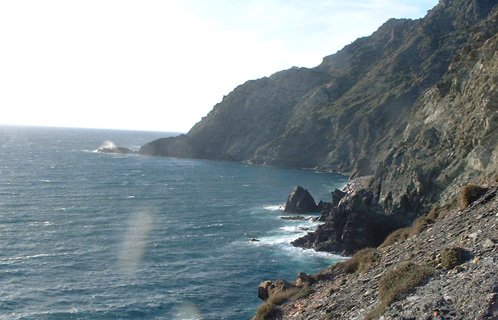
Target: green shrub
402, 234
304, 292
469, 194
452, 257
361, 261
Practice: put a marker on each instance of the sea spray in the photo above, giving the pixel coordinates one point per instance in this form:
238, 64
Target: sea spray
85, 246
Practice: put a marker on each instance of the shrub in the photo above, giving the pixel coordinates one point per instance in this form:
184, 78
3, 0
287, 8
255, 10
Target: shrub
435, 212
304, 292
402, 234
419, 225
280, 297
266, 311
469, 194
376, 313
269, 309
452, 257
396, 283
399, 235
362, 261
400, 280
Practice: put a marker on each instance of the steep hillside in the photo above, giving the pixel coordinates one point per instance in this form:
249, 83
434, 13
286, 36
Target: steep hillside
451, 138
414, 105
446, 270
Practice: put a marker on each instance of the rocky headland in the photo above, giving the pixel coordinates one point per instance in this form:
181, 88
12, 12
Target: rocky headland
411, 113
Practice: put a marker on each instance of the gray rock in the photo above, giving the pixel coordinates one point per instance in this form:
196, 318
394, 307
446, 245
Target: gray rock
300, 201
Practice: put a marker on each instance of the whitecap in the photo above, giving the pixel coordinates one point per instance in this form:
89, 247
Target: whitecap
273, 207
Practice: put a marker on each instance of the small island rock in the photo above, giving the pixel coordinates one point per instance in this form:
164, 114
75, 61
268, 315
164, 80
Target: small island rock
300, 201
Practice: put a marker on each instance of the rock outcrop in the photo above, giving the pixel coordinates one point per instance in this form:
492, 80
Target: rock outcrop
117, 150
458, 251
300, 201
356, 222
110, 147
268, 289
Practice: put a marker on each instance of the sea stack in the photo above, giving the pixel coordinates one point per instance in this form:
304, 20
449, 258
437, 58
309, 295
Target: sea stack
300, 201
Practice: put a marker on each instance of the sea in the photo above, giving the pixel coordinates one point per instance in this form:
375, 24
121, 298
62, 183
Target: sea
87, 235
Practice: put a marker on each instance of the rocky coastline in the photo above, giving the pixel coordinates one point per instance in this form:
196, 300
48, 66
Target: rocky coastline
455, 246
411, 113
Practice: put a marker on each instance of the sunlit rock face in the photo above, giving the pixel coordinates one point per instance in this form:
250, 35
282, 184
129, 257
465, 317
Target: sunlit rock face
413, 105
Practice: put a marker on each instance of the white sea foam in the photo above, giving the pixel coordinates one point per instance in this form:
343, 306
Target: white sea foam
273, 207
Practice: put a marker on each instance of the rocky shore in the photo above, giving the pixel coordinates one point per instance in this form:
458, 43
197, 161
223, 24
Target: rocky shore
411, 112
458, 248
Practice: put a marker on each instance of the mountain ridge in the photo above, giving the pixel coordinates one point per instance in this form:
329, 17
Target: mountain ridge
348, 113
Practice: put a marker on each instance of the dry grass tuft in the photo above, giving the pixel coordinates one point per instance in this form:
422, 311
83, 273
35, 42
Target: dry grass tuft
469, 194
398, 282
361, 261
452, 257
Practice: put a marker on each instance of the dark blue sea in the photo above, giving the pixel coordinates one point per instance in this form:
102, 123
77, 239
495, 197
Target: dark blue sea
85, 235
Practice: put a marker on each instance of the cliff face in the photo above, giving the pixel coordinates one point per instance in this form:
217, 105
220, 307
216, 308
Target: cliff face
414, 104
451, 137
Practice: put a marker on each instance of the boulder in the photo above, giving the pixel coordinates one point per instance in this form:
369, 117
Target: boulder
304, 279
263, 290
267, 288
300, 201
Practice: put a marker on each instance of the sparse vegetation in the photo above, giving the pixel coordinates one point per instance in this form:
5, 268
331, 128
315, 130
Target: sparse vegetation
399, 235
469, 194
452, 257
269, 309
361, 262
402, 234
397, 282
266, 311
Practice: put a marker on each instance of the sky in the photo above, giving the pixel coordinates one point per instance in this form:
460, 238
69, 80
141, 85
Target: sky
161, 65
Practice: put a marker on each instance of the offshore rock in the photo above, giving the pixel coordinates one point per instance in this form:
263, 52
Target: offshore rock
117, 150
300, 201
110, 147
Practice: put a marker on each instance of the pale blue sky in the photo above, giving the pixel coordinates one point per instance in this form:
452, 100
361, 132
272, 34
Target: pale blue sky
163, 64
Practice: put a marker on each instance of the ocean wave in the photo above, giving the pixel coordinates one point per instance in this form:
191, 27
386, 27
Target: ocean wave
274, 207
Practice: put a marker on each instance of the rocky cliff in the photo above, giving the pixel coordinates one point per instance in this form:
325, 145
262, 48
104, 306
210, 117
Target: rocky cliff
414, 104
414, 107
446, 268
